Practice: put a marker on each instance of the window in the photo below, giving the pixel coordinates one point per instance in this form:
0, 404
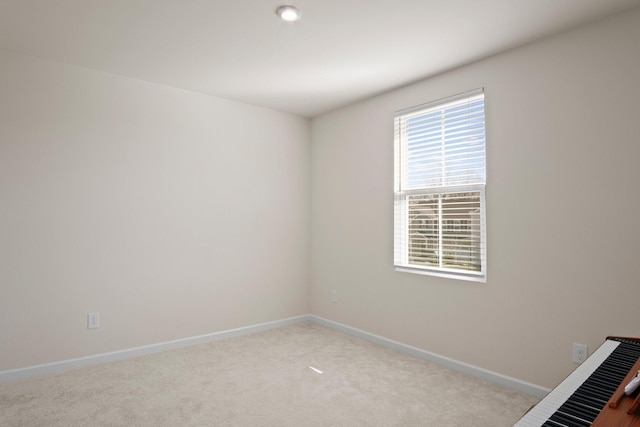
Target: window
440, 177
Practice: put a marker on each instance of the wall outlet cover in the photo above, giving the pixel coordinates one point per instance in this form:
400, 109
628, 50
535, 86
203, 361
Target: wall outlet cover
93, 320
580, 353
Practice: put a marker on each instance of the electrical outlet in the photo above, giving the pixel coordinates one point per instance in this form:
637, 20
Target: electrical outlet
334, 296
580, 353
93, 320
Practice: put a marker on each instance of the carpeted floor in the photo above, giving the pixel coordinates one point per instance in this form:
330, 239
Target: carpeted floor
299, 375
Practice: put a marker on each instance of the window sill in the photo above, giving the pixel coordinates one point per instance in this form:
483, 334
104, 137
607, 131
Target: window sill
470, 277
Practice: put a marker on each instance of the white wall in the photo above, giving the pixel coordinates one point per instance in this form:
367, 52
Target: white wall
563, 141
171, 213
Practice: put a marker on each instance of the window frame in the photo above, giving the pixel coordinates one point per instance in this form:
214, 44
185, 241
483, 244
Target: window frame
403, 191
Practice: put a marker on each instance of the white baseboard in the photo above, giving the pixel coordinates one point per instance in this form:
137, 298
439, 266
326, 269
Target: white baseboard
64, 365
465, 368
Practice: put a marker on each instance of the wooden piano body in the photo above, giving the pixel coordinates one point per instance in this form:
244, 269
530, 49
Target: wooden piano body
593, 395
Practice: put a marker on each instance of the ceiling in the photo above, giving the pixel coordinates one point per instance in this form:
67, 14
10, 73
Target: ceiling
340, 51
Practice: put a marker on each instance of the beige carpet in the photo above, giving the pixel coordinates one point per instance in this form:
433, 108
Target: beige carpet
264, 379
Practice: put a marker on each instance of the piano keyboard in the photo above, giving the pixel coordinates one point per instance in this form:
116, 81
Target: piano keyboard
578, 400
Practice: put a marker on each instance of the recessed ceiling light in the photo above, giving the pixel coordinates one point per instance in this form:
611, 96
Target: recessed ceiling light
288, 13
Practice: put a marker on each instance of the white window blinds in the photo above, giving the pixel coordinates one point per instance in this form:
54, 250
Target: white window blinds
440, 177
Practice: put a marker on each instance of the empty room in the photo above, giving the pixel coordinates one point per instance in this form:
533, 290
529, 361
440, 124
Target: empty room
319, 213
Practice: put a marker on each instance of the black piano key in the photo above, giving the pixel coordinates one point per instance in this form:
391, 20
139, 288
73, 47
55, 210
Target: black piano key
581, 411
568, 420
588, 402
595, 395
573, 417
550, 423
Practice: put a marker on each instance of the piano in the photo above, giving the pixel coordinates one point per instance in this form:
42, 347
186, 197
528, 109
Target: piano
593, 394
